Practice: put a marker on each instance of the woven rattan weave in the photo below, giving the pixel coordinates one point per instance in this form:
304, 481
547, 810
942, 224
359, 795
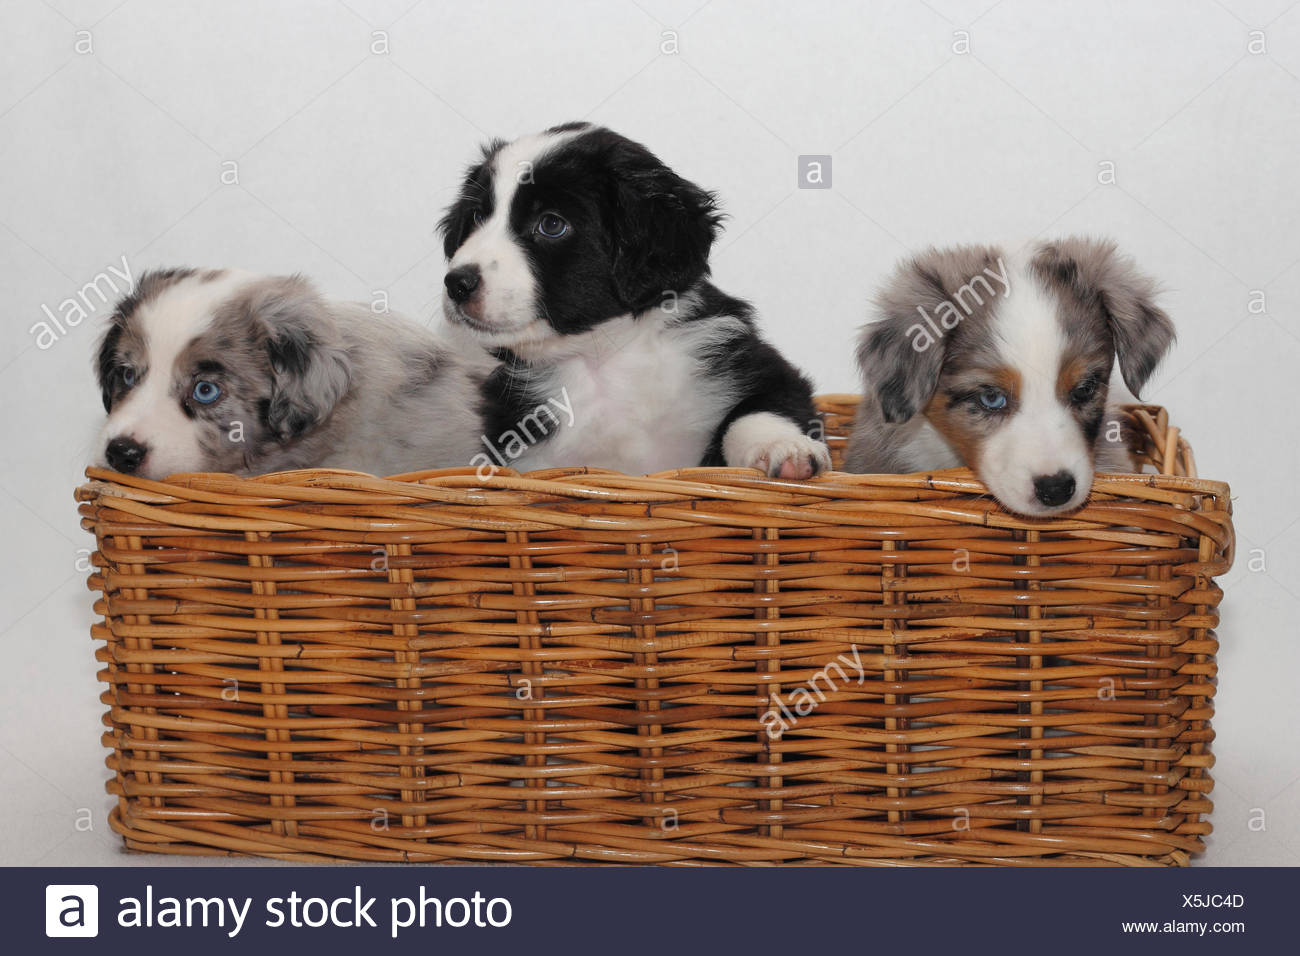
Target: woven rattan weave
706, 666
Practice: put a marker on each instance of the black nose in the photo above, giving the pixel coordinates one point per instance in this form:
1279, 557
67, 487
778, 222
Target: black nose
461, 282
125, 454
1053, 490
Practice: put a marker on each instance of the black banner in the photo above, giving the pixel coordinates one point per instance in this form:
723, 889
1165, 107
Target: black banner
340, 909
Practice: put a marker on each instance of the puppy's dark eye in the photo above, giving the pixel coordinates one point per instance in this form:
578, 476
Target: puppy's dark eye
477, 216
992, 399
551, 226
205, 393
128, 377
1085, 391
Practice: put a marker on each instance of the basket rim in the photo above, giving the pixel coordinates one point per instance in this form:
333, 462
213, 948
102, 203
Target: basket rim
463, 485
579, 481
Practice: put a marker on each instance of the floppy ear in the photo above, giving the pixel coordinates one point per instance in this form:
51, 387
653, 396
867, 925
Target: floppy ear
457, 223
310, 366
1100, 277
901, 355
902, 375
663, 227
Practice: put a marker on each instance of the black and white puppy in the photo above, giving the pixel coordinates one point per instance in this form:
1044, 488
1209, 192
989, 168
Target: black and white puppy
219, 370
1001, 360
582, 261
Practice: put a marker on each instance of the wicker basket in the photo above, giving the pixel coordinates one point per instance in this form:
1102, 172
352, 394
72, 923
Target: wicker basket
705, 666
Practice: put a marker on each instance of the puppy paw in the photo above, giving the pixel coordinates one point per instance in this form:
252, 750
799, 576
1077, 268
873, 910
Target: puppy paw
775, 446
793, 460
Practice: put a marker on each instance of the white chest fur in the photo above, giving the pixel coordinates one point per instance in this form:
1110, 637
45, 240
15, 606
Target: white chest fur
642, 400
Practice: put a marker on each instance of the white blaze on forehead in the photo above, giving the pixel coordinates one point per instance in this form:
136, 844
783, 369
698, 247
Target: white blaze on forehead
516, 162
1041, 437
508, 287
181, 313
1028, 334
150, 413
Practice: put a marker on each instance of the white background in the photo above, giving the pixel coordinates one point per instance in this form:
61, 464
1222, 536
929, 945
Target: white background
345, 158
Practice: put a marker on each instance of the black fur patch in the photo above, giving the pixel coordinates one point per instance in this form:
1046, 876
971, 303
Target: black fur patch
107, 370
510, 394
762, 379
290, 348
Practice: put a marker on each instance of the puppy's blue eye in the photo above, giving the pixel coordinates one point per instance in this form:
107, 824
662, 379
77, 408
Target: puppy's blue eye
205, 393
993, 399
128, 377
551, 226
